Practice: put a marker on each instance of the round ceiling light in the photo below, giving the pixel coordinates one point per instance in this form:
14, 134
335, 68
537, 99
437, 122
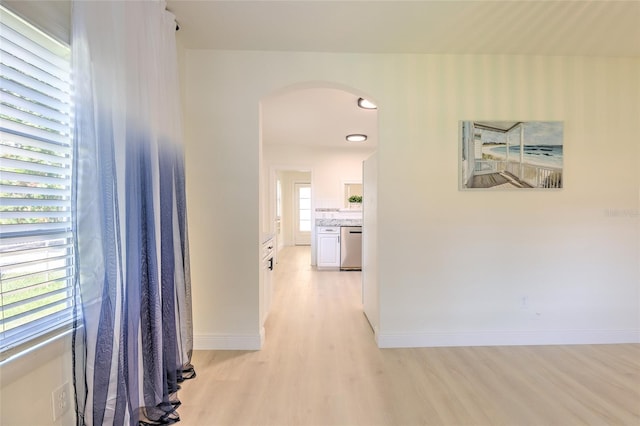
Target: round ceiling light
366, 104
356, 138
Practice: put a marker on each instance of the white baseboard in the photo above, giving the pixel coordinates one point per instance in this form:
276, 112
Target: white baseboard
505, 338
241, 342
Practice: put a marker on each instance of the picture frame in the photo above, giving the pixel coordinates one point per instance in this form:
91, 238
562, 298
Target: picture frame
507, 155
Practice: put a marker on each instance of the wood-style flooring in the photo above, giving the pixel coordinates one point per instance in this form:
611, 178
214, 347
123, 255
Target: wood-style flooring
320, 366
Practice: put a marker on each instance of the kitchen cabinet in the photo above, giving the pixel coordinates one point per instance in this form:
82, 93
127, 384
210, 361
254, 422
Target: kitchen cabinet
328, 247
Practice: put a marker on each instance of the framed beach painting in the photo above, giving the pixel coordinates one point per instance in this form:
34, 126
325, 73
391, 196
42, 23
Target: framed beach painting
504, 155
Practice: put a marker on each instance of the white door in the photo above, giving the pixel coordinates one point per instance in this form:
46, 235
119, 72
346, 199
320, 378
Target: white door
302, 214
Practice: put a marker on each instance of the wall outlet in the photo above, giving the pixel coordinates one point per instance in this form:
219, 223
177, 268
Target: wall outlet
61, 399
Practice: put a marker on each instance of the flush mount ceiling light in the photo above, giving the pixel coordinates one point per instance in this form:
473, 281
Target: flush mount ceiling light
366, 104
356, 138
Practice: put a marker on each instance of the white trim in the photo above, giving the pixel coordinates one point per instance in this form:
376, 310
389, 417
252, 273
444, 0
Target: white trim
273, 171
225, 341
505, 338
50, 17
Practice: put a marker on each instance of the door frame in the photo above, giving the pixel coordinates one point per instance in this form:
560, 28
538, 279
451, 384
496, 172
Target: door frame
273, 177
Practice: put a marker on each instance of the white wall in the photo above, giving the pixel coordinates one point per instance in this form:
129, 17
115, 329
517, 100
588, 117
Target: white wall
480, 254
222, 178
370, 260
28, 381
331, 167
454, 266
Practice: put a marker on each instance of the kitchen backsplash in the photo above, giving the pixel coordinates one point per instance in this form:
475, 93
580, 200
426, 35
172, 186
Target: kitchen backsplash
328, 213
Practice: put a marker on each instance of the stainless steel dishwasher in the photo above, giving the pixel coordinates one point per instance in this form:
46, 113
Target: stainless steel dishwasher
351, 248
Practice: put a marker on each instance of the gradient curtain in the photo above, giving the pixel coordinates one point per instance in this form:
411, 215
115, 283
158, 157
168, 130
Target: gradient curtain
133, 338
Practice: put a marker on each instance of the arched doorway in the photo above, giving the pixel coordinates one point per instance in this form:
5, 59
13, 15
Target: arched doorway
304, 128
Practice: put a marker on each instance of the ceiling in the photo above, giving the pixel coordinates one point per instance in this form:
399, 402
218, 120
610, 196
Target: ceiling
317, 117
325, 116
555, 27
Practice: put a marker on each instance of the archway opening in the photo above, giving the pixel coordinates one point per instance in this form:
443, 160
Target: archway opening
303, 135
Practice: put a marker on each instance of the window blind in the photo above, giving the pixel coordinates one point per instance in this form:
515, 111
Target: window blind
36, 232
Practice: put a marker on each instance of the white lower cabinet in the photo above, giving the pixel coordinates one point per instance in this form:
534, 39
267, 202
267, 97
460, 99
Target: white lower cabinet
328, 247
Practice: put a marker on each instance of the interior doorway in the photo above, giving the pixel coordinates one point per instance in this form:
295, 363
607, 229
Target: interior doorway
311, 169
292, 204
305, 127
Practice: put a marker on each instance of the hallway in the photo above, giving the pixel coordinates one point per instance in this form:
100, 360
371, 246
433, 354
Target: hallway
317, 356
321, 366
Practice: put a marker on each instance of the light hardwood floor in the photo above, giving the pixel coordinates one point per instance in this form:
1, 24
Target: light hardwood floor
320, 366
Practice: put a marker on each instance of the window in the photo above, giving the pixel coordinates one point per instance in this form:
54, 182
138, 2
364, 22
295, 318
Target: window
351, 189
304, 207
36, 234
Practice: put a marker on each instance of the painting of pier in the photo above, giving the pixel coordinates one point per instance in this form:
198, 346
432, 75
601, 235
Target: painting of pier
497, 155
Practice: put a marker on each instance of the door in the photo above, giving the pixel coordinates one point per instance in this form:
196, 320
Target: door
302, 214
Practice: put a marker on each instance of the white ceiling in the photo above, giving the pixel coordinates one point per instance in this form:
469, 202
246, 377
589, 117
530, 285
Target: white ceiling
325, 116
318, 116
555, 27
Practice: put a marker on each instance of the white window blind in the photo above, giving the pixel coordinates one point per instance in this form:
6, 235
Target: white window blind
36, 235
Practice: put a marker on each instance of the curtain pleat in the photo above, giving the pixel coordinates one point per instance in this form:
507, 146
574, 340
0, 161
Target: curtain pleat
133, 341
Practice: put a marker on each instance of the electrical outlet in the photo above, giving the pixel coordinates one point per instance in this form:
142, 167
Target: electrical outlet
61, 399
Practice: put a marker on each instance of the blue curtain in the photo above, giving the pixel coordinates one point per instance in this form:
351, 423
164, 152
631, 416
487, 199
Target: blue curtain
133, 335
